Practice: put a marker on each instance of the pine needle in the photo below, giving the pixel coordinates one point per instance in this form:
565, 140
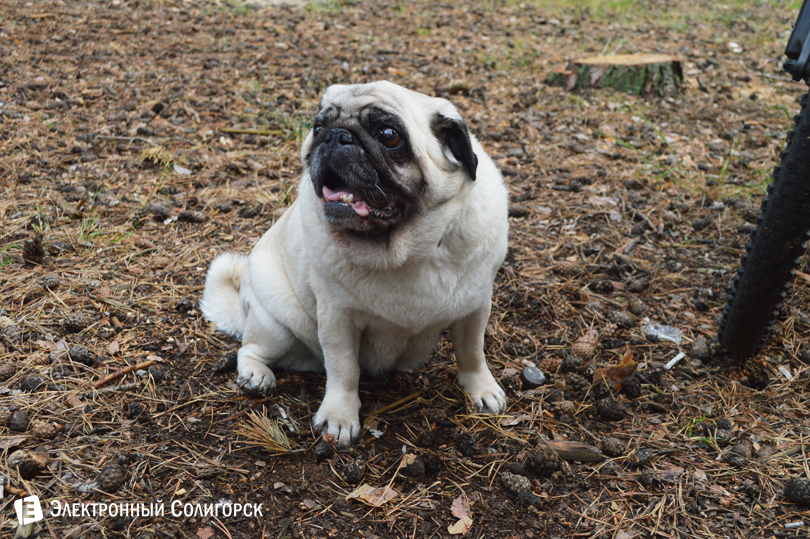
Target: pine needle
263, 432
158, 155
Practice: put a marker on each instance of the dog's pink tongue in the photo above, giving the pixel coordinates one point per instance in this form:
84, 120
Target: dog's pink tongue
334, 196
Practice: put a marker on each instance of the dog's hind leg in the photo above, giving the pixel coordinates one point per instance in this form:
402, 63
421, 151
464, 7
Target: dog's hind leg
264, 342
474, 376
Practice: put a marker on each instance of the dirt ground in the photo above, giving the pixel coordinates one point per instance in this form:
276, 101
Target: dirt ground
138, 139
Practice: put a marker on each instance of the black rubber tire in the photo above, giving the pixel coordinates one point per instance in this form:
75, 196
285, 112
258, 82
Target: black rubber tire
773, 252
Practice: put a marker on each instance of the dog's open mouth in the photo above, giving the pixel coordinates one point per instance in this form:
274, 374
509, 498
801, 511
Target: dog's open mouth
341, 198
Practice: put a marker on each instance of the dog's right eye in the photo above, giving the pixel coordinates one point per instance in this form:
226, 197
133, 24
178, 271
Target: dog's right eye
389, 137
317, 130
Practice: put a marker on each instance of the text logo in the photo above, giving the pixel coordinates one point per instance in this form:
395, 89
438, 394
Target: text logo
28, 510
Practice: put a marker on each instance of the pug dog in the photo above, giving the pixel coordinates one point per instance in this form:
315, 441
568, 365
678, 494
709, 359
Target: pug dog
397, 232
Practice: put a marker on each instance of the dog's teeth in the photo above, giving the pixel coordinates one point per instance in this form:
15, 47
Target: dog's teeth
350, 199
343, 198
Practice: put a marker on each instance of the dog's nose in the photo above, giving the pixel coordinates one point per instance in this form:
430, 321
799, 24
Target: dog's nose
343, 136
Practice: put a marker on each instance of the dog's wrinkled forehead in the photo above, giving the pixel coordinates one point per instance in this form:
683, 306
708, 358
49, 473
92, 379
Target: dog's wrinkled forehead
414, 108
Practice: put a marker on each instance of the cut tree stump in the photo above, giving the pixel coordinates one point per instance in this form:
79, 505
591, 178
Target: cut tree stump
639, 74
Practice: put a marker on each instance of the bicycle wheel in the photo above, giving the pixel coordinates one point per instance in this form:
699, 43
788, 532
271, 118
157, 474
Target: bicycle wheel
773, 252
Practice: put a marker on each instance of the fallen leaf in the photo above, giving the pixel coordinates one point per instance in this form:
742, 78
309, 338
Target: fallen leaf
460, 507
372, 495
309, 504
461, 527
617, 373
9, 443
205, 533
113, 348
510, 421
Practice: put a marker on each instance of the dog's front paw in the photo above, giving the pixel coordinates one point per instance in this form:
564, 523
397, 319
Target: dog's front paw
484, 391
256, 378
339, 416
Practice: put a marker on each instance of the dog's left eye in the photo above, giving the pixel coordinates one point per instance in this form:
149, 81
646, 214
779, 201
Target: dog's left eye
389, 137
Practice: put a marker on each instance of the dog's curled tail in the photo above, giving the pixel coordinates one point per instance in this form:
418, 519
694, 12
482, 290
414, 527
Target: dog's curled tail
220, 300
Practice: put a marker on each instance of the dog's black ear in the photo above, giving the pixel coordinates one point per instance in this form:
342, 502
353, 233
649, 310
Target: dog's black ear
455, 137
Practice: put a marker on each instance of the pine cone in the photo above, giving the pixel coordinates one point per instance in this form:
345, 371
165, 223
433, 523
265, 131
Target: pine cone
622, 319
549, 364
610, 331
586, 346
75, 323
559, 304
44, 429
50, 281
7, 370
636, 306
38, 359
9, 331
566, 407
565, 268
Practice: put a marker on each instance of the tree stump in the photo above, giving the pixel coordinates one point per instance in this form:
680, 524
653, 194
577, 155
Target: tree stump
639, 74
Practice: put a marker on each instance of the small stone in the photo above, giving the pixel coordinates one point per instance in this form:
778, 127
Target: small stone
44, 429
542, 460
50, 281
612, 447
610, 409
28, 463
700, 349
111, 478
532, 377
466, 445
19, 421
81, 354
323, 451
31, 384
192, 216
226, 363
74, 323
354, 471
797, 490
7, 370
515, 483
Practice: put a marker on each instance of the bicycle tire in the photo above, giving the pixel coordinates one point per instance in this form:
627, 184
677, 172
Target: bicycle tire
774, 249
